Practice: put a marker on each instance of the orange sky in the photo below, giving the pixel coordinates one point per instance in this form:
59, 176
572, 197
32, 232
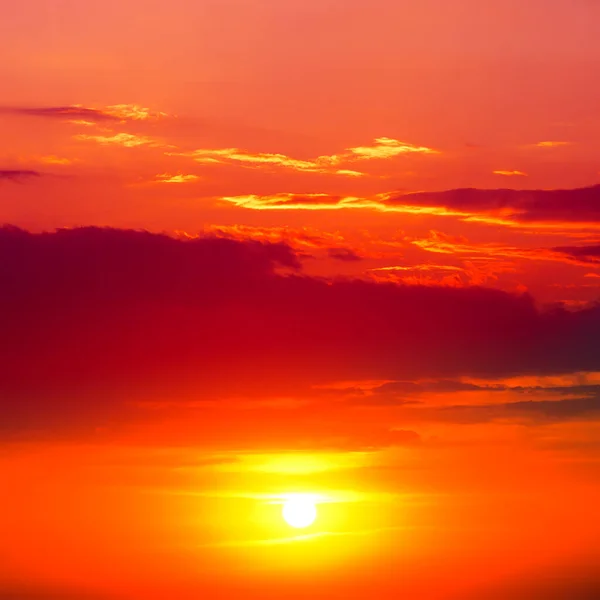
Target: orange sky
255, 248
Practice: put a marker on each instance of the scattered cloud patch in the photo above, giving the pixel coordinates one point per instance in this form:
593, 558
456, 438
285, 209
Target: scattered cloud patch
344, 254
127, 140
298, 202
17, 175
382, 148
423, 275
81, 122
582, 254
79, 114
530, 410
56, 160
510, 173
303, 240
440, 243
553, 144
177, 178
574, 208
133, 112
225, 156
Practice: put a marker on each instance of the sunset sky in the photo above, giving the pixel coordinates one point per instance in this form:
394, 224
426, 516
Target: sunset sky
341, 249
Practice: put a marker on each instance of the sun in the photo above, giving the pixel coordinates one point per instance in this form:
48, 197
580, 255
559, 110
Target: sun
299, 510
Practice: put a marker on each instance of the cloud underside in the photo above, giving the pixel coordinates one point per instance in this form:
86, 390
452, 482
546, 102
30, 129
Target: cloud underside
83, 114
17, 175
90, 316
498, 206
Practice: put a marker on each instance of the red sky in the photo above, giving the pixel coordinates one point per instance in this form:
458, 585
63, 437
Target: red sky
256, 248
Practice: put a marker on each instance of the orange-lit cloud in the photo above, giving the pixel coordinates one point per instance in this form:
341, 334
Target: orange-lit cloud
382, 148
425, 267
246, 158
301, 202
132, 112
519, 208
440, 243
128, 140
243, 156
81, 122
316, 201
56, 160
425, 274
511, 173
306, 236
553, 144
302, 239
348, 172
177, 178
79, 114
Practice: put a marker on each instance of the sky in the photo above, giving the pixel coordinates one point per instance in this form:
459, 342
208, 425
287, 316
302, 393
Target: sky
341, 250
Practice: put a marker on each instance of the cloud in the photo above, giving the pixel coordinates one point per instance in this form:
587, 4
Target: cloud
417, 393
95, 319
128, 140
303, 240
413, 394
518, 206
301, 202
77, 113
440, 243
581, 254
553, 144
552, 208
133, 112
55, 160
344, 254
17, 175
81, 122
382, 148
62, 112
226, 156
510, 173
424, 274
177, 178
530, 410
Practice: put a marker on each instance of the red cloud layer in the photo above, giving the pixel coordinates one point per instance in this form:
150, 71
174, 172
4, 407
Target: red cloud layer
499, 206
90, 313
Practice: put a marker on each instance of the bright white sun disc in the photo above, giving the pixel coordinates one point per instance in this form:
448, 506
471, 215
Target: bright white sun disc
299, 511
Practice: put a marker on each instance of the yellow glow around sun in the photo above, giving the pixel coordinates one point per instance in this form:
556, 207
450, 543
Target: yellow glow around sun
299, 510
